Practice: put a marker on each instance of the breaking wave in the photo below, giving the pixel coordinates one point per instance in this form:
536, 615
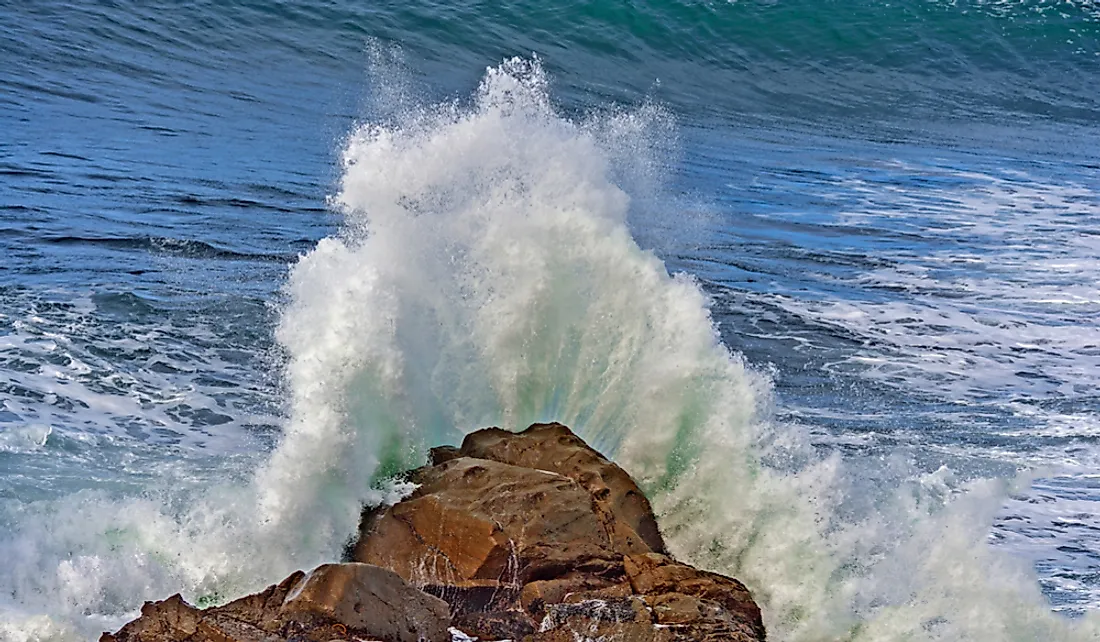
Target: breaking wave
486, 274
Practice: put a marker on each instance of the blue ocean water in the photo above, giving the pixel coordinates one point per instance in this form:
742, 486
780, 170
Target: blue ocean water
822, 275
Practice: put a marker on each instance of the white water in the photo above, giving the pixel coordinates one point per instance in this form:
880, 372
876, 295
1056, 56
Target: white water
487, 276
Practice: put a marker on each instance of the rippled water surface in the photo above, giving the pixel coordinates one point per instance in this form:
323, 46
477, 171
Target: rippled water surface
894, 209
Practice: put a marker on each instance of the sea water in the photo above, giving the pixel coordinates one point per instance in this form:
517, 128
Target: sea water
822, 277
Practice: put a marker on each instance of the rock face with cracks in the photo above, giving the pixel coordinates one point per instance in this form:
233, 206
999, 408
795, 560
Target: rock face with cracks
531, 537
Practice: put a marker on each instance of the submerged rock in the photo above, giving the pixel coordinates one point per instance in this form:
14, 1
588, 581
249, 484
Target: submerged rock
531, 537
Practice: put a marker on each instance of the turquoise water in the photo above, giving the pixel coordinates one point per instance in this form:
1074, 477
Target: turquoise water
821, 275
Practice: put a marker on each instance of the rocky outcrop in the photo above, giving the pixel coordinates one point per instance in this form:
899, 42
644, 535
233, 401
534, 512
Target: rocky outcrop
617, 501
334, 601
531, 537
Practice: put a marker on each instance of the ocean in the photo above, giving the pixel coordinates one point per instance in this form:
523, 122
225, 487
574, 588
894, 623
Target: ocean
823, 276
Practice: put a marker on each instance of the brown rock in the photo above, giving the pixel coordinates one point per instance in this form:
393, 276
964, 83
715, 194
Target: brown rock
216, 628
654, 574
474, 596
369, 600
260, 610
475, 520
496, 625
440, 454
330, 602
677, 608
627, 619
536, 595
170, 619
670, 617
512, 529
620, 504
530, 537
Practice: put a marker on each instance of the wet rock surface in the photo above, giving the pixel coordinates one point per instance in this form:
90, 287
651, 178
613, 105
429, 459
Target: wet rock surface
531, 536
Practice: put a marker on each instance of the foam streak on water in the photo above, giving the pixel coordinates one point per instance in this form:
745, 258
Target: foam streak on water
486, 274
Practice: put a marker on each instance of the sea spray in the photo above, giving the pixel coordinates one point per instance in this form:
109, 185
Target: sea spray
486, 274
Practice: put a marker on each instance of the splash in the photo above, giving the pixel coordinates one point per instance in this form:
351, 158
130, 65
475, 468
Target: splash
487, 275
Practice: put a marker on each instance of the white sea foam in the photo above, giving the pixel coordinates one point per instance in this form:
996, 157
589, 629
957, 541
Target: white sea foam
487, 275
1014, 327
77, 370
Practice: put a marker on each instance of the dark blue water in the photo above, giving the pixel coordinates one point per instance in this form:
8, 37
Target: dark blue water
894, 207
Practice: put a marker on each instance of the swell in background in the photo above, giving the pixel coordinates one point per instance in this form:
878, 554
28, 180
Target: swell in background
889, 63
